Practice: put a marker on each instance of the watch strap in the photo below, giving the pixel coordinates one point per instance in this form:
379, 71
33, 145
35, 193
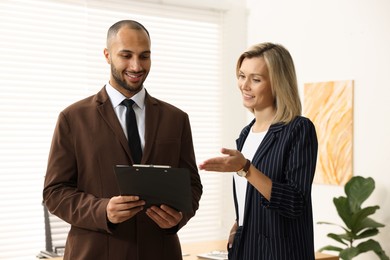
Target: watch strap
247, 166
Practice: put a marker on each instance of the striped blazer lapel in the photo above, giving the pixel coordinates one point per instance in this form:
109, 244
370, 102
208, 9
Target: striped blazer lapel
267, 142
265, 145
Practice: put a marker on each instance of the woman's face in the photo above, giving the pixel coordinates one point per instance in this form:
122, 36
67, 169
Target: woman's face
254, 83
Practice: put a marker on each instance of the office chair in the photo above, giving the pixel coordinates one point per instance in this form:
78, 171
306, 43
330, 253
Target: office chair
56, 232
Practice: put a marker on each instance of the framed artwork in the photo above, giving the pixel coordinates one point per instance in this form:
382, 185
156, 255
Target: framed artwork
330, 106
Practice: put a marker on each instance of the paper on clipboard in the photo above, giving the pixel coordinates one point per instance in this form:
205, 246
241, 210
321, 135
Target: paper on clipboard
156, 185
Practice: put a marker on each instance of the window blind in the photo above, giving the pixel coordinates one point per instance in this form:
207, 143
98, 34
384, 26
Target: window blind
51, 55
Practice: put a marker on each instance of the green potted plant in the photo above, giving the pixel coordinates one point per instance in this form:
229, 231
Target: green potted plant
358, 224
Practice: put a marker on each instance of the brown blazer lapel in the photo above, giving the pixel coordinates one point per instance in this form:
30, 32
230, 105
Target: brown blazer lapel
152, 117
104, 106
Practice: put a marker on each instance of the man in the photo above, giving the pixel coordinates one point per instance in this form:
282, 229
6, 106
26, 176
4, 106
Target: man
90, 139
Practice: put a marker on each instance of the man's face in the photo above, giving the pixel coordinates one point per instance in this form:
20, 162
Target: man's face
128, 54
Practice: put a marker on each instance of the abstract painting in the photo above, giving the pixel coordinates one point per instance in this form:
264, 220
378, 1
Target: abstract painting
330, 106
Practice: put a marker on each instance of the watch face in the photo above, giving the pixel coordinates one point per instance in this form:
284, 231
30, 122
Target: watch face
241, 173
244, 171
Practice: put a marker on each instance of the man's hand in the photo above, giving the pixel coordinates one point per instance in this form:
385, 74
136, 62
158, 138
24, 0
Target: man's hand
164, 216
122, 208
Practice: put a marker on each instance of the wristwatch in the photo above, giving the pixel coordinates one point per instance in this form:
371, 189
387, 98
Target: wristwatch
244, 171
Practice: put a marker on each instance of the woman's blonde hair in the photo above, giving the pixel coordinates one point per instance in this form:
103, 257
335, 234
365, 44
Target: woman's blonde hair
283, 79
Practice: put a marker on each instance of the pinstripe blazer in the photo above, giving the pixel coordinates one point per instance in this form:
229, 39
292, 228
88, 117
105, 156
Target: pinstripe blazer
282, 228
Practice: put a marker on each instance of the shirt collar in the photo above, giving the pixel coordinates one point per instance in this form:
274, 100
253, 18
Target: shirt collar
116, 97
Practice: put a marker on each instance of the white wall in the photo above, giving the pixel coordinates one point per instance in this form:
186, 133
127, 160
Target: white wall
340, 40
234, 116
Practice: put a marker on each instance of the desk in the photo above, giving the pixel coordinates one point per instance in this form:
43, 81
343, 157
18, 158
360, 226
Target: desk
192, 249
203, 247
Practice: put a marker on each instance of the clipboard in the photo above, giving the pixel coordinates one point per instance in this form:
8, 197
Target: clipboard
156, 184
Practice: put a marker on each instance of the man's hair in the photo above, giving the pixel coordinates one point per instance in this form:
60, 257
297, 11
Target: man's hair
113, 30
282, 78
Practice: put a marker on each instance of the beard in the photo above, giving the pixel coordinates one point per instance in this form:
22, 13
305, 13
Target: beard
122, 83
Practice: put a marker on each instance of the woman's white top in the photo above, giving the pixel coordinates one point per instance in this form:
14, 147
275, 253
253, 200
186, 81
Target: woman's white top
249, 149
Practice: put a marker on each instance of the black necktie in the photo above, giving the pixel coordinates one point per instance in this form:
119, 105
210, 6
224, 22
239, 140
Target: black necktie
132, 131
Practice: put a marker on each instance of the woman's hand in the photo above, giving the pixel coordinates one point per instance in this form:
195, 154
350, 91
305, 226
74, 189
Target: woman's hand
233, 231
233, 162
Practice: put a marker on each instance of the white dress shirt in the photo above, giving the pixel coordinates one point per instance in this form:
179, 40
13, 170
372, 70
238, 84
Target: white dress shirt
139, 109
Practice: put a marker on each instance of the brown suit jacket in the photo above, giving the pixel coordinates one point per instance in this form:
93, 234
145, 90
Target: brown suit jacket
88, 142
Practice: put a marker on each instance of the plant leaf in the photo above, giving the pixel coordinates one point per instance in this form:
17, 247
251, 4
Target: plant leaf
333, 224
330, 248
328, 223
340, 238
358, 189
367, 233
349, 253
359, 219
372, 245
368, 223
343, 210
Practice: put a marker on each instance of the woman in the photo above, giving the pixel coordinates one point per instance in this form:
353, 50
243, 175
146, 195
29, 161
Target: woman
272, 190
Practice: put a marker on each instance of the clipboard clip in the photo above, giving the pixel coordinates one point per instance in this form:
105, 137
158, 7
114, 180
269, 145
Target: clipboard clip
151, 165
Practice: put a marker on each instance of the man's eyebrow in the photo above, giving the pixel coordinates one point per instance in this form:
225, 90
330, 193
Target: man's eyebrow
129, 51
126, 51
